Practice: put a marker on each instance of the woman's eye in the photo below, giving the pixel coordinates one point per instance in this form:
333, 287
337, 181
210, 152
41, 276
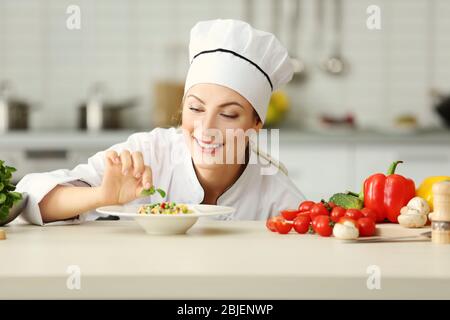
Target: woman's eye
195, 109
230, 116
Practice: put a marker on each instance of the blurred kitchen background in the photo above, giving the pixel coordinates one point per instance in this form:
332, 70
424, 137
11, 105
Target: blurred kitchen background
361, 99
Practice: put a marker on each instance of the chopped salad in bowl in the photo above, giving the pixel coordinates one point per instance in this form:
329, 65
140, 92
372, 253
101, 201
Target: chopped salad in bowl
164, 218
164, 208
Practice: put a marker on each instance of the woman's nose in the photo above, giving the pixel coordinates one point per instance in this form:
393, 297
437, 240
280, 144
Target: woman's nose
209, 121
207, 129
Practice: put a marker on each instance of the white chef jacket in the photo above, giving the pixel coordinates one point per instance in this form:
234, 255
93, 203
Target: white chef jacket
254, 195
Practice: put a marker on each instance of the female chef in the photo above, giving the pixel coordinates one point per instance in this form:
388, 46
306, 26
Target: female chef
233, 72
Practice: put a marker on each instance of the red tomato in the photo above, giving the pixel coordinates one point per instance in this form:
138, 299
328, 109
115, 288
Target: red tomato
318, 209
369, 213
313, 224
354, 214
283, 226
270, 223
306, 206
323, 225
301, 224
305, 213
366, 227
337, 213
332, 205
290, 214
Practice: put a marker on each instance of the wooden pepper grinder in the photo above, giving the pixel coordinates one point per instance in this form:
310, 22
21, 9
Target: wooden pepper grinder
2, 234
440, 226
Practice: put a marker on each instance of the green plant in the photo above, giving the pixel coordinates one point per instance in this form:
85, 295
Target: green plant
152, 190
7, 194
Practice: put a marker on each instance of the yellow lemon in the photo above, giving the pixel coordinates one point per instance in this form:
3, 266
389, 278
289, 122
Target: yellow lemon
272, 116
280, 101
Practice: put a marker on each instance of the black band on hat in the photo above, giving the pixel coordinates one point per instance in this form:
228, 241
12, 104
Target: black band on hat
239, 56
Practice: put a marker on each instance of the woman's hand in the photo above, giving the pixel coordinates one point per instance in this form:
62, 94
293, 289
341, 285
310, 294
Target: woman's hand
125, 177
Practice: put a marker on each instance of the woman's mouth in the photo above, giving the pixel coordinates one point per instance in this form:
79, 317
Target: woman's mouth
208, 147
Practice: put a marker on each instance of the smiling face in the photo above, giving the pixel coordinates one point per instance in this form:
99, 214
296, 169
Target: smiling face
214, 122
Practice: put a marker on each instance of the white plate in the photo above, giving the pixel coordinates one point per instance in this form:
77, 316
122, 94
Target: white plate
199, 210
164, 224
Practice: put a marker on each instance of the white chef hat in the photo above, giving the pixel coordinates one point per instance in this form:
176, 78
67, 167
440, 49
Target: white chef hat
233, 54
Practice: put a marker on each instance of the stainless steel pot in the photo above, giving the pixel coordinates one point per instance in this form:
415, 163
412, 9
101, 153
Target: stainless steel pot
441, 105
14, 113
98, 114
93, 116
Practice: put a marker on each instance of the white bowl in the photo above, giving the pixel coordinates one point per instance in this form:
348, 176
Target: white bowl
166, 224
160, 224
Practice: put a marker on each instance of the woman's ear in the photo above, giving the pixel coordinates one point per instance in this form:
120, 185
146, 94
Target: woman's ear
258, 125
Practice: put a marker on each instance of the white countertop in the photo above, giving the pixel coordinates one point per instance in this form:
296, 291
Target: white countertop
216, 259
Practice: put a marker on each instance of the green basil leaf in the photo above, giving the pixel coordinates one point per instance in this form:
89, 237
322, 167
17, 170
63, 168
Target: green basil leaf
2, 198
4, 211
148, 192
151, 191
16, 195
10, 169
161, 192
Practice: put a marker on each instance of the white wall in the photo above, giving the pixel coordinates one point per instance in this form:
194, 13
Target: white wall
130, 44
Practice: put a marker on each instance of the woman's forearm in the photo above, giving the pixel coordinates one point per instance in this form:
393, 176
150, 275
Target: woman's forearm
65, 202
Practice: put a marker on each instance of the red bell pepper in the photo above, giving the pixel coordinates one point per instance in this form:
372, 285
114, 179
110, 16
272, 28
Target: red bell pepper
386, 195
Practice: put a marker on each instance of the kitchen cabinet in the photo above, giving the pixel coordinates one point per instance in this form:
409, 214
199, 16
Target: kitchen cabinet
323, 165
318, 170
43, 160
420, 161
46, 151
